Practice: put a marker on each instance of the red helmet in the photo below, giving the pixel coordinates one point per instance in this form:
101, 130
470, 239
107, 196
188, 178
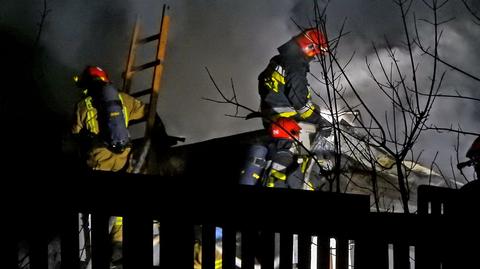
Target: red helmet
286, 128
91, 74
312, 42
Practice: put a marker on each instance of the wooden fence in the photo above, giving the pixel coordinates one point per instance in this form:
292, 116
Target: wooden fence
436, 237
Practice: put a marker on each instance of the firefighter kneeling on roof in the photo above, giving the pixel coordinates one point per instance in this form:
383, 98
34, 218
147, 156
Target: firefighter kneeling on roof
286, 99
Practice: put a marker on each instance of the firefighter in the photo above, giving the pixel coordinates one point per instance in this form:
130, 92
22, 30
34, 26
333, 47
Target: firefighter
101, 124
286, 98
101, 121
197, 248
101, 127
473, 154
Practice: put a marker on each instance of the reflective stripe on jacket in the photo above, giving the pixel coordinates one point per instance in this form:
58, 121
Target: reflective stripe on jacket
99, 157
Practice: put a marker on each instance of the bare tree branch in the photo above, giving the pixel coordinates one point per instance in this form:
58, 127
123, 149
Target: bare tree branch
41, 24
471, 11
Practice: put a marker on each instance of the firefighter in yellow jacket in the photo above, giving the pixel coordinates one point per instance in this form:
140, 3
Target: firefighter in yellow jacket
101, 127
101, 121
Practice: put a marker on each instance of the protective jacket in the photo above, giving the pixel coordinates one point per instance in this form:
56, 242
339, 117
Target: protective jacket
285, 93
284, 90
98, 155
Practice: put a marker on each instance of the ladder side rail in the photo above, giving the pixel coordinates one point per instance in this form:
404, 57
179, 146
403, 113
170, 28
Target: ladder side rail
127, 80
156, 83
157, 73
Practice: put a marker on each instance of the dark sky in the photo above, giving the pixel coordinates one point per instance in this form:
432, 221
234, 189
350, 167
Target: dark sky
235, 40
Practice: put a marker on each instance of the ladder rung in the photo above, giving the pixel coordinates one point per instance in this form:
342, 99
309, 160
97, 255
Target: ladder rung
147, 65
148, 39
141, 93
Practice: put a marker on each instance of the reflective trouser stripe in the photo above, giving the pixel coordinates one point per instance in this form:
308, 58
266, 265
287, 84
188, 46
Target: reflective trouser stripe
218, 264
270, 182
278, 174
305, 162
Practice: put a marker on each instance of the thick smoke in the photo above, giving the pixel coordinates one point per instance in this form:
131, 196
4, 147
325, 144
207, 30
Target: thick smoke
374, 22
234, 40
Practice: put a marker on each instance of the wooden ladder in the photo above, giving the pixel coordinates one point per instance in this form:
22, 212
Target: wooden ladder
153, 91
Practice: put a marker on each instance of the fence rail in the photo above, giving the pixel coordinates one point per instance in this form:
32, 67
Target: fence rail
269, 222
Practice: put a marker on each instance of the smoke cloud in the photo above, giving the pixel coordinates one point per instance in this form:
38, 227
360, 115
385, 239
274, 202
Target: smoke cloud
234, 40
